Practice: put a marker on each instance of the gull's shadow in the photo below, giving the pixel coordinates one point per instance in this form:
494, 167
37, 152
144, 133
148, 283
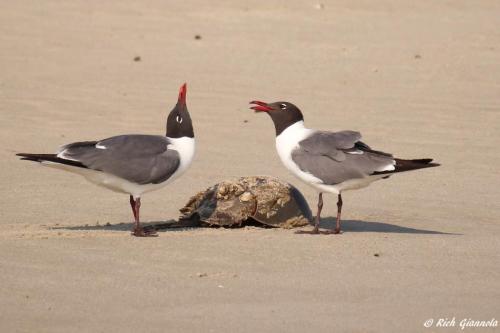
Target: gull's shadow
170, 225
161, 226
365, 226
326, 223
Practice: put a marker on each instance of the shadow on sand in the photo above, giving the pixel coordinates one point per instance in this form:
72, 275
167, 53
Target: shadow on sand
365, 226
327, 223
170, 225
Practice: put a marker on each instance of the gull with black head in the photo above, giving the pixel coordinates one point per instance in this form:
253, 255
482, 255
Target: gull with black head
133, 164
330, 162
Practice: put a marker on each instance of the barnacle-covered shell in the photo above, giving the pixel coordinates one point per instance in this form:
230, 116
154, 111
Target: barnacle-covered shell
262, 198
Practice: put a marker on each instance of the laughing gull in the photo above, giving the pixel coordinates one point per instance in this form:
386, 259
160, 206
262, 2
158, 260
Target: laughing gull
331, 162
133, 164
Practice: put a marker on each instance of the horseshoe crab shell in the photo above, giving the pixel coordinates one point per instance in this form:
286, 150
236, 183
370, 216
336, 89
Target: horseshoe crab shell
264, 199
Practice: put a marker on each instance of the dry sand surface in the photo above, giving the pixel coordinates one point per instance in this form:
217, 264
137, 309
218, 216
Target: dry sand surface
417, 78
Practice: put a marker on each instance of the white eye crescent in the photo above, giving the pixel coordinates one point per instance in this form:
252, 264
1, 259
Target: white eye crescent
283, 106
179, 119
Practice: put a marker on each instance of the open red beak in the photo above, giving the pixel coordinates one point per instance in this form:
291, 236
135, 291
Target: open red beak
182, 94
260, 106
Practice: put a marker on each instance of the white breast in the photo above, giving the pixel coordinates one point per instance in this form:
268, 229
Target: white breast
185, 147
286, 142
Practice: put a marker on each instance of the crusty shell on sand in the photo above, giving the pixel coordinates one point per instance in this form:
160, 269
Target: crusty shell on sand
264, 199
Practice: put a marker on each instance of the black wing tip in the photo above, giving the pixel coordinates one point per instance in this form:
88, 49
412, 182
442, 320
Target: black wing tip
409, 165
422, 160
49, 158
414, 164
426, 161
30, 157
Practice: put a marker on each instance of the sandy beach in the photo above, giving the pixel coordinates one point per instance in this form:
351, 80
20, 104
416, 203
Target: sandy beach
417, 79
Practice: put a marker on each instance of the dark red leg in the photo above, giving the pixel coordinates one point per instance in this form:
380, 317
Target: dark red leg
138, 230
339, 211
318, 214
317, 219
132, 204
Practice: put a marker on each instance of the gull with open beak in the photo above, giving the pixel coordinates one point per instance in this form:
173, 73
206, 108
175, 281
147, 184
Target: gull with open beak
330, 162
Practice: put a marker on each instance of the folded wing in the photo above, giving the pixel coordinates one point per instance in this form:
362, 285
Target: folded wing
340, 156
142, 159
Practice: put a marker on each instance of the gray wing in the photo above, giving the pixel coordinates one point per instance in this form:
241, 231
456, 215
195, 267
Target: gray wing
337, 157
142, 159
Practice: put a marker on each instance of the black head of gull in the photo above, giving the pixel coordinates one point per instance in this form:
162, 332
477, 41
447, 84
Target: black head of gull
283, 114
179, 122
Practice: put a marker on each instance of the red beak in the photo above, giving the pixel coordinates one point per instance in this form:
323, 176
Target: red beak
182, 94
260, 106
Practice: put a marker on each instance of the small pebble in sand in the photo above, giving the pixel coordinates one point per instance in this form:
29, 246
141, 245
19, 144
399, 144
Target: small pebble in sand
197, 37
376, 255
201, 274
137, 58
418, 56
245, 121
